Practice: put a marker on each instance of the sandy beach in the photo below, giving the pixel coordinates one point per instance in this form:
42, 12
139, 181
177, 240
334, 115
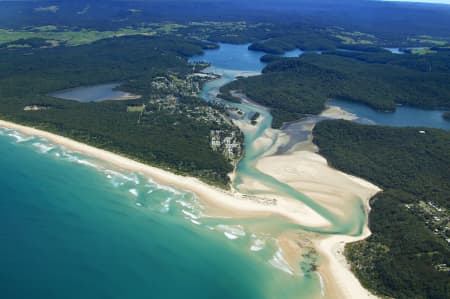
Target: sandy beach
338, 113
339, 281
229, 202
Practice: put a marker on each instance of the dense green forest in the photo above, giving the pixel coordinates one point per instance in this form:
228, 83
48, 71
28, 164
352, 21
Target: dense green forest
407, 255
293, 87
296, 37
435, 62
181, 144
283, 93
378, 18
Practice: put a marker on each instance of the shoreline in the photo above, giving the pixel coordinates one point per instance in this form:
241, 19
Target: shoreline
234, 204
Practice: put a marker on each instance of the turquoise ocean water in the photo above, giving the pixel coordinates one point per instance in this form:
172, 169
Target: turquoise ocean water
73, 227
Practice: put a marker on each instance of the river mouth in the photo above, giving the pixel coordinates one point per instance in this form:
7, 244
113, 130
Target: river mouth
231, 62
284, 163
265, 148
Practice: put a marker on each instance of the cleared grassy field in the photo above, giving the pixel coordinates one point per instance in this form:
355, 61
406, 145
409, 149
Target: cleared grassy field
135, 108
71, 37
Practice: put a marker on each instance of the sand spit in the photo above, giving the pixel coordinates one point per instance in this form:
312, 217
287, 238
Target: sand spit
309, 173
305, 170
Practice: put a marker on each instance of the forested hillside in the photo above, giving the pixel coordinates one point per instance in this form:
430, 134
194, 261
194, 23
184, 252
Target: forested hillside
407, 255
177, 141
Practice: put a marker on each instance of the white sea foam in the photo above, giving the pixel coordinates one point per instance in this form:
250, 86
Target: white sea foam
230, 236
43, 148
189, 214
166, 205
169, 189
191, 204
184, 204
231, 231
322, 285
75, 159
155, 186
258, 244
86, 163
279, 262
129, 178
134, 192
195, 222
20, 138
135, 179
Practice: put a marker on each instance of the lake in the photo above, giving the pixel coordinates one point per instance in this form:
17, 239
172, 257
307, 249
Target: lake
404, 116
94, 93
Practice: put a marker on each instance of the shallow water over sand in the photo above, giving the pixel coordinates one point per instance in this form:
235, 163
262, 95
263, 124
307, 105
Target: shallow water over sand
235, 55
354, 221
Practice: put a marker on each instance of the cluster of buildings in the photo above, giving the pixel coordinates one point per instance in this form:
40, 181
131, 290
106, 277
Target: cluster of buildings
436, 218
189, 85
178, 95
229, 143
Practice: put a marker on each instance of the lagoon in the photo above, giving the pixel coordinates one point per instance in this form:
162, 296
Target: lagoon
95, 93
404, 116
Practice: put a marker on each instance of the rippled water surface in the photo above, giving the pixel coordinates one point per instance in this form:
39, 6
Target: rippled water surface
74, 227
